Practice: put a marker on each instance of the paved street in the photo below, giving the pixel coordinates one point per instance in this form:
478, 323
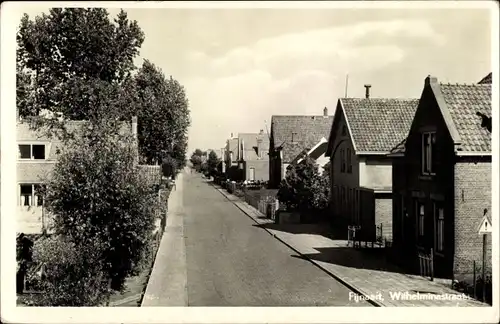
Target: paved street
230, 262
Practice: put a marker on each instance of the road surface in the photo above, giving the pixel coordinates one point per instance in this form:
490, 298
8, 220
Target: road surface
217, 257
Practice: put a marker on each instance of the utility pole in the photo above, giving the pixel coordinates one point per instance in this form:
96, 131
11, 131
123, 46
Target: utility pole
346, 84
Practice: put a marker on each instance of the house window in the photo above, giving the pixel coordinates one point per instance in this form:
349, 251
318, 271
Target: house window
349, 162
428, 152
439, 215
32, 151
342, 160
31, 194
420, 218
26, 194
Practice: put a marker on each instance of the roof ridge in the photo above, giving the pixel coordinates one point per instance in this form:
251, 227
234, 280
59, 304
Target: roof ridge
466, 84
381, 98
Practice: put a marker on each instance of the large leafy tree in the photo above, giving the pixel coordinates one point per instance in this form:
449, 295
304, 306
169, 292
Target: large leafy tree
67, 55
163, 115
212, 162
196, 159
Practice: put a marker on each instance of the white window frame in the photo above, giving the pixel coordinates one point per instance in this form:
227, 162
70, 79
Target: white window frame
427, 167
440, 227
32, 157
421, 219
33, 199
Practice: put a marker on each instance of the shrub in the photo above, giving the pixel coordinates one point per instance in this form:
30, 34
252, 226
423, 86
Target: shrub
96, 194
73, 275
304, 188
169, 166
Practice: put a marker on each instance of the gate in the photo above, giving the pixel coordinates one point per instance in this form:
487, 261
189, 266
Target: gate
426, 264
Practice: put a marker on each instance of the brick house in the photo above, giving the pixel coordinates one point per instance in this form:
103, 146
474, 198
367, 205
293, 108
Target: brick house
290, 136
36, 160
442, 178
363, 133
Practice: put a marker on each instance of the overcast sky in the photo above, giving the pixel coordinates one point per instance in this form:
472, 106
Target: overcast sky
241, 66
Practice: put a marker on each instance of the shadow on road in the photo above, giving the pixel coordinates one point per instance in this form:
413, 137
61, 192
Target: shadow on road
372, 259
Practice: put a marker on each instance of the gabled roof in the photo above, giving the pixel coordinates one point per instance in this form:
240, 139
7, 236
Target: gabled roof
399, 149
376, 125
315, 152
250, 141
307, 132
487, 79
466, 109
466, 104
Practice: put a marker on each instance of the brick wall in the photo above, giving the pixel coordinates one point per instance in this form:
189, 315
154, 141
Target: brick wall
472, 196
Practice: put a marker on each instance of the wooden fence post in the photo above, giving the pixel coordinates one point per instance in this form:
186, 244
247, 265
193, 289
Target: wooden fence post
432, 264
474, 283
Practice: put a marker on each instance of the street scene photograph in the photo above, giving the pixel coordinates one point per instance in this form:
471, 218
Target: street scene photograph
254, 157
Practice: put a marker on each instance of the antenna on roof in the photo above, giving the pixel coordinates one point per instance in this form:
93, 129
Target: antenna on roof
346, 84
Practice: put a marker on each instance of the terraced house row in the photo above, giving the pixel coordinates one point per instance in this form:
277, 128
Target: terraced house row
415, 172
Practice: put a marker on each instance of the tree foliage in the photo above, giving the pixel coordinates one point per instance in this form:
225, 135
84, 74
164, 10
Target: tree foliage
78, 62
304, 188
97, 194
212, 162
196, 159
62, 55
163, 115
74, 274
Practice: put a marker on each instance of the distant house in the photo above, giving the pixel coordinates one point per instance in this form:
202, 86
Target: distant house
231, 158
363, 132
290, 136
253, 157
37, 155
442, 178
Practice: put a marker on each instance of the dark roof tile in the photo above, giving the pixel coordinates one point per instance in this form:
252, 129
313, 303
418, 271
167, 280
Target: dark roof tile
487, 79
378, 124
308, 131
464, 102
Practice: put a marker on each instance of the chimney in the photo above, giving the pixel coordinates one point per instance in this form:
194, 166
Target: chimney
325, 112
259, 144
261, 132
430, 80
367, 93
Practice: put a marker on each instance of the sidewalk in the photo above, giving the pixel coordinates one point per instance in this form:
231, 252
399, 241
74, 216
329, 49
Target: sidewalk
167, 285
366, 274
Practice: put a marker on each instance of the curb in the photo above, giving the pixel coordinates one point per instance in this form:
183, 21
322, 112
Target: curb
343, 282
